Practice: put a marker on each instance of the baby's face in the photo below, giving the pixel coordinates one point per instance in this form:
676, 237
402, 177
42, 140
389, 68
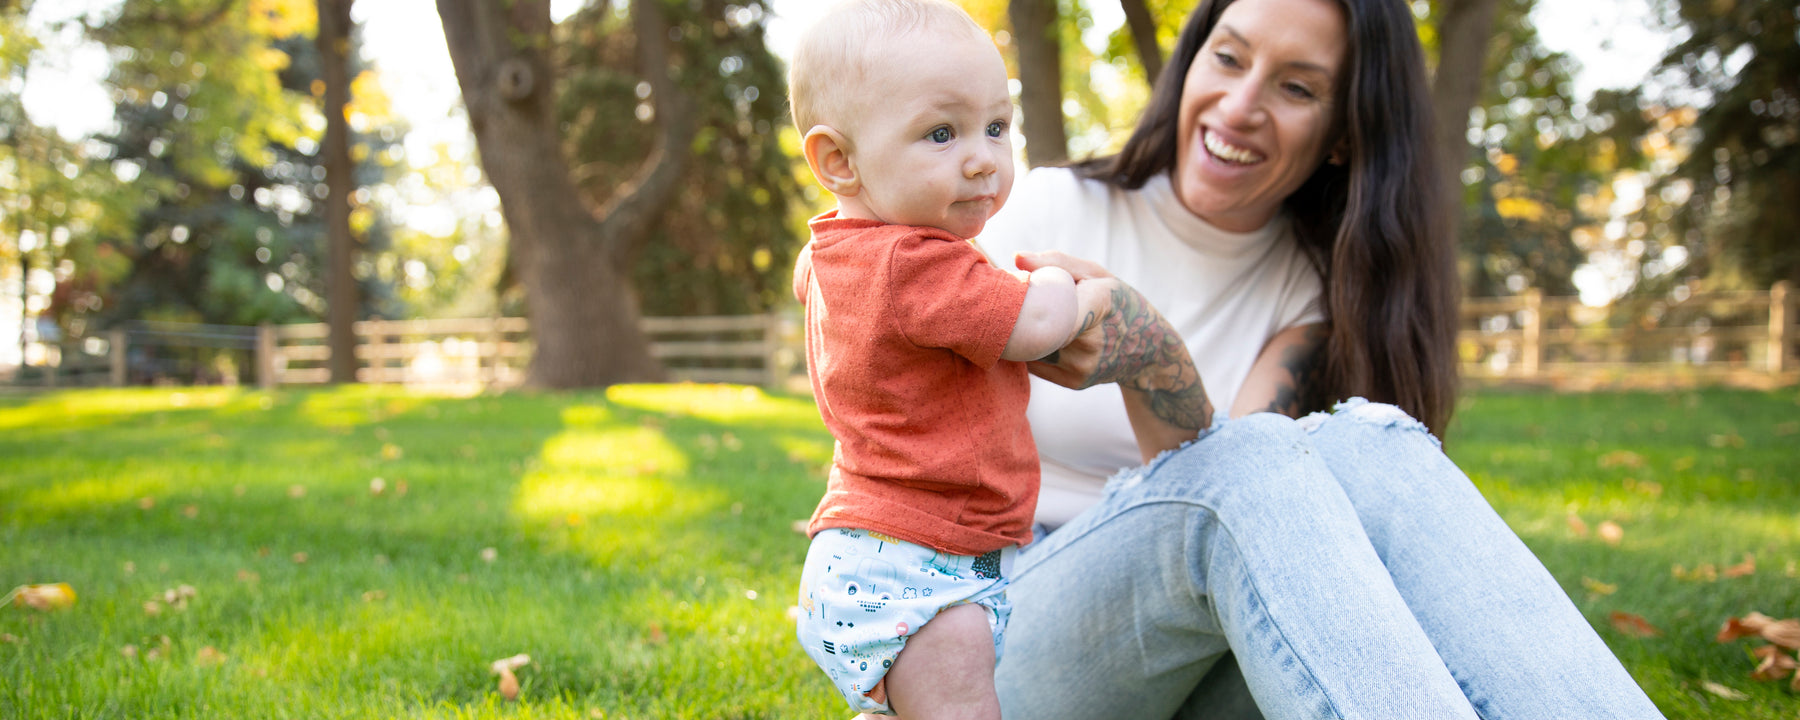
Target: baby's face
932, 141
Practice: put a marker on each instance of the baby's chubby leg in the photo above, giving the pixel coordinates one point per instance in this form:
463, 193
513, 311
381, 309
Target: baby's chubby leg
946, 671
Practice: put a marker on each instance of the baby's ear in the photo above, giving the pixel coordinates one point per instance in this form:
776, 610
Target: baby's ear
828, 155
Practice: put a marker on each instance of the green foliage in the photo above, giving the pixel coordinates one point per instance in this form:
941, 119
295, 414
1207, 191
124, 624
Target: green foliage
1739, 169
216, 119
642, 550
1532, 160
726, 243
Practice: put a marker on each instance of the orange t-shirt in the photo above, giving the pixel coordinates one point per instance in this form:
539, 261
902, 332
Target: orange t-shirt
904, 330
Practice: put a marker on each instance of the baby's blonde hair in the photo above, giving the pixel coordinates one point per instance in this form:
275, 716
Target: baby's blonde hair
832, 54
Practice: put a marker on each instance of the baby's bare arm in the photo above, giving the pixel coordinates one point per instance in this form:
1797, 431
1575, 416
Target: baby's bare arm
1049, 318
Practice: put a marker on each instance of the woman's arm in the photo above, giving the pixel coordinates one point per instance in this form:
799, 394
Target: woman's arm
1130, 343
1284, 372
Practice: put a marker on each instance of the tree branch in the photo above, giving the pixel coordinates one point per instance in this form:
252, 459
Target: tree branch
625, 218
1143, 35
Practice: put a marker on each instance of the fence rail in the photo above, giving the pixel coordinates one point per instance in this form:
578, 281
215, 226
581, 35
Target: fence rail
1534, 337
1734, 336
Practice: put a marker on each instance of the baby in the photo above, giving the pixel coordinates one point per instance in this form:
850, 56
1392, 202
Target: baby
916, 345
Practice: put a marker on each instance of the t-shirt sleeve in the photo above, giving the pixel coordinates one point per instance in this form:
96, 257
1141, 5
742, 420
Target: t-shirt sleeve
945, 294
1302, 300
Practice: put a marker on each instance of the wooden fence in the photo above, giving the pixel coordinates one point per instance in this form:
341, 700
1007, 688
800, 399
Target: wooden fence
1739, 337
463, 353
1717, 335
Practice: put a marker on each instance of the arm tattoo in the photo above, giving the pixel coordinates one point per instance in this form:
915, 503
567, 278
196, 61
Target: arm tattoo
1303, 361
1142, 351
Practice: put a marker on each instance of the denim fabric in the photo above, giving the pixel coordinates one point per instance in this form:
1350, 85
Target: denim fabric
1350, 567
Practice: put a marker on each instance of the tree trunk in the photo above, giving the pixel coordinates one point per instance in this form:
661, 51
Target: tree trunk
583, 312
341, 301
1143, 35
1465, 30
1035, 33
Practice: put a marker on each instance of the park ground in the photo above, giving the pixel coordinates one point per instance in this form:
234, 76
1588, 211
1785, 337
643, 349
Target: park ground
369, 552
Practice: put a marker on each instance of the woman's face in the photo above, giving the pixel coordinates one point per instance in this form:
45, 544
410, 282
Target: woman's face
1256, 108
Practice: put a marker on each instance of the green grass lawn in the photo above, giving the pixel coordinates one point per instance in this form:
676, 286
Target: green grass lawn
364, 552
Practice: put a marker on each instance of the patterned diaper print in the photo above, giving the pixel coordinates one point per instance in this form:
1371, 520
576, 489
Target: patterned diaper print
862, 594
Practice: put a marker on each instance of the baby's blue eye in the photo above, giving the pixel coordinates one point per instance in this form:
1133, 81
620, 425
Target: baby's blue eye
996, 129
939, 135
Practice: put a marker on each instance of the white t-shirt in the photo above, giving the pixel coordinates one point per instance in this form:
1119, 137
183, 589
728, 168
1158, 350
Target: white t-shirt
1226, 293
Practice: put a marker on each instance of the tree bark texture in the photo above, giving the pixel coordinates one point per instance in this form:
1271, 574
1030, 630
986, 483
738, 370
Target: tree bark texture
1143, 35
571, 260
341, 296
1465, 30
1037, 38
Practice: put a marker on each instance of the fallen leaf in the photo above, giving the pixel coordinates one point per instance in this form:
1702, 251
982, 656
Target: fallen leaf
191, 511
374, 596
1633, 625
248, 577
509, 683
377, 486
390, 451
1621, 458
1722, 691
1577, 526
1611, 533
1599, 588
1773, 664
656, 635
1785, 633
489, 554
152, 608
1747, 567
296, 491
299, 558
146, 502
209, 656
129, 651
45, 597
1745, 626
9, 639
799, 526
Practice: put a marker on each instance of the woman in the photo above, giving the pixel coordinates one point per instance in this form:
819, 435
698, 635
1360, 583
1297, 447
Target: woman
1276, 204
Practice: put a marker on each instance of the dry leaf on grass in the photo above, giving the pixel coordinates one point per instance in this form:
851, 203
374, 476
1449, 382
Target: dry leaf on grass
1723, 691
1611, 533
209, 656
1577, 526
45, 597
1599, 588
1633, 625
509, 683
1772, 663
1785, 633
1745, 626
1747, 567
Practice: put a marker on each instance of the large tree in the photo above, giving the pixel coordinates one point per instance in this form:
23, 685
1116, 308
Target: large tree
572, 260
342, 303
725, 242
1037, 34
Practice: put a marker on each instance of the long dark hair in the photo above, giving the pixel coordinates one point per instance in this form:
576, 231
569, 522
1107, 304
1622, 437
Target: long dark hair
1374, 227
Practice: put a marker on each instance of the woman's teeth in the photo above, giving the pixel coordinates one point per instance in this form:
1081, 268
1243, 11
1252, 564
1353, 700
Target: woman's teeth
1229, 153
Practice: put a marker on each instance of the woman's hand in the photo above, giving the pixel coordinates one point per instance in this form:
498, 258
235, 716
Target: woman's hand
1126, 341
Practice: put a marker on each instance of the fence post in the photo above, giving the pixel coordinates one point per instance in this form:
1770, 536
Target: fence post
115, 353
1534, 331
377, 336
490, 354
772, 375
265, 356
1778, 326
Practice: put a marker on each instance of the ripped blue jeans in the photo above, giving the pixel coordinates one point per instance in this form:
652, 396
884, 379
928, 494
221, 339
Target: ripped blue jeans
1350, 568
